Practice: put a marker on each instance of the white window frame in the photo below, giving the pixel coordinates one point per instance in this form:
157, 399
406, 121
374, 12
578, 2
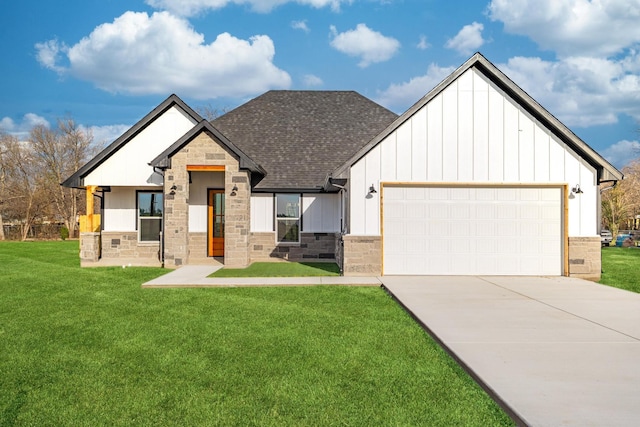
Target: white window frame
140, 218
278, 219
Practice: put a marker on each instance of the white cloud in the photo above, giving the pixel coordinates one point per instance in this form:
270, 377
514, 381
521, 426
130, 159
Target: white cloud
579, 91
468, 39
423, 44
622, 152
48, 54
22, 128
300, 25
399, 96
194, 7
572, 27
370, 46
160, 54
105, 135
7, 124
311, 80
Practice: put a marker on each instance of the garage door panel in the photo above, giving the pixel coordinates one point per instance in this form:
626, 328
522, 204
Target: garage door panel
473, 230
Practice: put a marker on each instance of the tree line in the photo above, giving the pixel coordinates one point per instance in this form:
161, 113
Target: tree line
31, 171
621, 203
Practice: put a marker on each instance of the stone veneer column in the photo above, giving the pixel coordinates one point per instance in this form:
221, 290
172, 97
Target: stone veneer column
89, 247
362, 255
203, 150
585, 257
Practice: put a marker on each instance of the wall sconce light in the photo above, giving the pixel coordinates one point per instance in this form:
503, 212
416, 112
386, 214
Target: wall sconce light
234, 190
577, 189
372, 189
173, 189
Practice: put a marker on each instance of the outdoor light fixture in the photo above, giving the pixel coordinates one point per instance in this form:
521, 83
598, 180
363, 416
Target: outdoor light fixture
234, 190
577, 189
173, 189
372, 189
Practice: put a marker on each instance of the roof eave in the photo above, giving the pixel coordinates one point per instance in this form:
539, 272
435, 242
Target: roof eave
77, 179
606, 171
163, 160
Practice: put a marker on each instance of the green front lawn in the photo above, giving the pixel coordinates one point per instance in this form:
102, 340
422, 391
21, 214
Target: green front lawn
281, 269
90, 347
620, 268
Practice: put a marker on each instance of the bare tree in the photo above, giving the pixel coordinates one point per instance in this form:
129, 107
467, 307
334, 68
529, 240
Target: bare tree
23, 194
621, 204
210, 112
3, 184
60, 152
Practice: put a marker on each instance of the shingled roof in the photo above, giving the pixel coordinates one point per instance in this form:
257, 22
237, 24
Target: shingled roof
298, 137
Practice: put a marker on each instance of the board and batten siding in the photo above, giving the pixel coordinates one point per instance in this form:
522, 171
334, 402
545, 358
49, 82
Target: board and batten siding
130, 164
472, 132
262, 211
320, 213
120, 209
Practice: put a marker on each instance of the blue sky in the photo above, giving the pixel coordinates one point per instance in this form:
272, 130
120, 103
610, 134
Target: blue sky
107, 63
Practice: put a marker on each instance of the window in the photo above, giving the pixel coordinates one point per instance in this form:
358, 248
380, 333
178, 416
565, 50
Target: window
288, 218
150, 205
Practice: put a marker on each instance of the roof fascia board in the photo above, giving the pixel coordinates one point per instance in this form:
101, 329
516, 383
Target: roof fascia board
291, 190
606, 171
76, 180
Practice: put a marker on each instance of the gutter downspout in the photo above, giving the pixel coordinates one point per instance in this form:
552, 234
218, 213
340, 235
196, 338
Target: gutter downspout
164, 206
342, 226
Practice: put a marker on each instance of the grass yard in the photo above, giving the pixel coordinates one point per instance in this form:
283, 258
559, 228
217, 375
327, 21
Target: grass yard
90, 347
281, 269
620, 267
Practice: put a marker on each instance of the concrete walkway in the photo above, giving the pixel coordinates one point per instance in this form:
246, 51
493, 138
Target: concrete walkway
196, 276
553, 351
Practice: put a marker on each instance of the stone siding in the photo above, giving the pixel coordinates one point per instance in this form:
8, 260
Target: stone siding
313, 247
89, 247
125, 245
362, 255
197, 247
585, 257
203, 150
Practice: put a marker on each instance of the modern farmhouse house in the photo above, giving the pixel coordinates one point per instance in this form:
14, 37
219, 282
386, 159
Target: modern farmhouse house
476, 178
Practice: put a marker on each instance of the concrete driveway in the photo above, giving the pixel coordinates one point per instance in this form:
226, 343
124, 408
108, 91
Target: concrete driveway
554, 351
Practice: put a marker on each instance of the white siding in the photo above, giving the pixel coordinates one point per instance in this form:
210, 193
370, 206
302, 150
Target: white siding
119, 212
321, 213
474, 133
129, 165
262, 212
200, 183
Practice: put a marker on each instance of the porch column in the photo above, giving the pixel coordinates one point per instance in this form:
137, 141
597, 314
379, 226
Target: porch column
90, 222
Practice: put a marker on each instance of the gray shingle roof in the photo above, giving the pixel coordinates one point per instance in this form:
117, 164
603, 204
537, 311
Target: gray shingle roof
299, 137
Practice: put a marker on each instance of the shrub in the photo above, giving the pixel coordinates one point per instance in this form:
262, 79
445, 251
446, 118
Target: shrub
64, 233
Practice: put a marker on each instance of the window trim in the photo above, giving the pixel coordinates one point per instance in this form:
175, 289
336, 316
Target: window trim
139, 218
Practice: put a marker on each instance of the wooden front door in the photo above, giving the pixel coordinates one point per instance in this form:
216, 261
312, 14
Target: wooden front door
215, 219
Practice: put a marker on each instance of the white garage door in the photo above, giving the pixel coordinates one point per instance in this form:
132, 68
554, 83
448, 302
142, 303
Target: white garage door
472, 231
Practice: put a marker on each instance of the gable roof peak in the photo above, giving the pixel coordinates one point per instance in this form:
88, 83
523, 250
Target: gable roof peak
606, 171
76, 180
